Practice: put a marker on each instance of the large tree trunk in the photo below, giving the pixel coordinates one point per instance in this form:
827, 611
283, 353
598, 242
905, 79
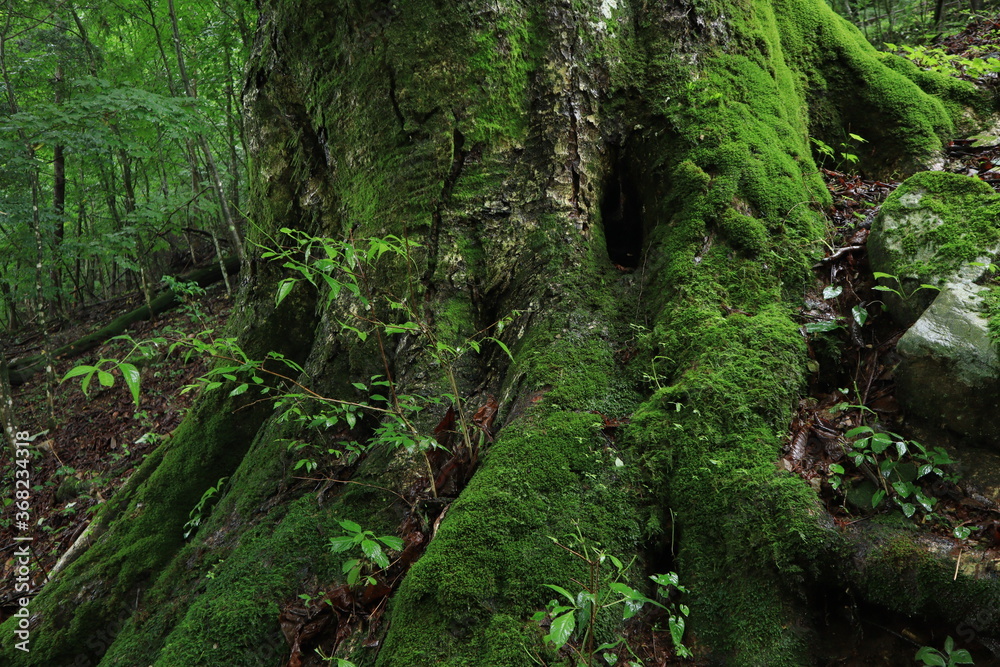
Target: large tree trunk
529, 151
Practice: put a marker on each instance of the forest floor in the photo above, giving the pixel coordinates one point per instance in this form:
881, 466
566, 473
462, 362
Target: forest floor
97, 440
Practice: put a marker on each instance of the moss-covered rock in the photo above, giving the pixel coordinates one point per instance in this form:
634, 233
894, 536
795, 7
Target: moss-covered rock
935, 228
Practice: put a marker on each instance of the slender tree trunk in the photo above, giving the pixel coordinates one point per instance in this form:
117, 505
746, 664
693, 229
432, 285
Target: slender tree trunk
213, 172
58, 186
7, 404
41, 303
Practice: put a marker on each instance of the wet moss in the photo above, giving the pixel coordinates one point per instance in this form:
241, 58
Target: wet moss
744, 232
141, 541
906, 576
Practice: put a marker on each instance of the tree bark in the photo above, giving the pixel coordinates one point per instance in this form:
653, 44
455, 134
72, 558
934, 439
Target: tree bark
521, 147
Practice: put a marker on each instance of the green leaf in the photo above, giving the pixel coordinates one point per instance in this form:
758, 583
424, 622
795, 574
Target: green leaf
349, 526
858, 430
78, 370
394, 543
961, 657
931, 657
821, 327
832, 291
561, 629
239, 390
880, 442
626, 591
353, 572
284, 287
908, 509
105, 378
504, 348
677, 629
131, 375
860, 314
373, 551
878, 497
339, 544
562, 591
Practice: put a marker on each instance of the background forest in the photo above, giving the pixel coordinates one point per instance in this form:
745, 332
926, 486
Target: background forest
122, 151
121, 148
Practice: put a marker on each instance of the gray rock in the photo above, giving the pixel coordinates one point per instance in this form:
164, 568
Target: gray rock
949, 367
943, 230
909, 239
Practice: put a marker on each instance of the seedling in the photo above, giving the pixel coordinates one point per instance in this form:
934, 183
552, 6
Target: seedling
576, 616
931, 657
371, 549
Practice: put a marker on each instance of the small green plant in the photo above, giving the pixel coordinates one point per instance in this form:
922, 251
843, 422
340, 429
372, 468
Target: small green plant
901, 293
215, 566
896, 463
199, 512
931, 657
189, 293
936, 59
575, 616
371, 547
104, 377
845, 151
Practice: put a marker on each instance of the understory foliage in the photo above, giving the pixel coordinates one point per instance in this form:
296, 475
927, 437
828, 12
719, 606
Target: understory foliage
107, 182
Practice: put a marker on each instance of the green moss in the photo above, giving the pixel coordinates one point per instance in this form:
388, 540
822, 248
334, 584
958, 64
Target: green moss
850, 88
991, 302
959, 97
901, 574
548, 472
142, 540
744, 232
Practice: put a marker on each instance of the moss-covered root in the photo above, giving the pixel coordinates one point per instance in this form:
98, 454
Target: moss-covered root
921, 575
745, 529
77, 614
467, 601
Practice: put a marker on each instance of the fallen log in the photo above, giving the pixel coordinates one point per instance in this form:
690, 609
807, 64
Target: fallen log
22, 369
